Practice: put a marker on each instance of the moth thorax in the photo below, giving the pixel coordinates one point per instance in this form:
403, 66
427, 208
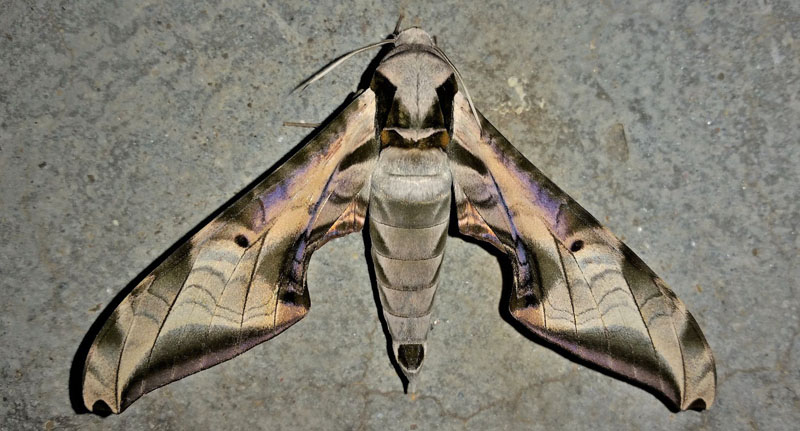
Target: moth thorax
415, 91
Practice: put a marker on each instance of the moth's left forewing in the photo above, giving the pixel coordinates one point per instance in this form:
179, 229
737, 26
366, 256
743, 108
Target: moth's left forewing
576, 284
240, 279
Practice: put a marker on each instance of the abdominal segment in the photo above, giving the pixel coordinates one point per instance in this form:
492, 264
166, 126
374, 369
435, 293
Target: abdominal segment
408, 219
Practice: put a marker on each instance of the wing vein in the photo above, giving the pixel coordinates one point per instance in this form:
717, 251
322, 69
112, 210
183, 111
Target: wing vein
117, 397
250, 282
677, 337
225, 287
569, 286
641, 316
599, 311
166, 316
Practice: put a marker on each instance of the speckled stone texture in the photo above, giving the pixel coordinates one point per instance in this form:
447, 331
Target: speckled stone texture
124, 124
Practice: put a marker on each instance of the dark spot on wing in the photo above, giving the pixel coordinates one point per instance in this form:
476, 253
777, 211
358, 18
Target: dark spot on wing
528, 300
698, 404
101, 408
242, 241
292, 297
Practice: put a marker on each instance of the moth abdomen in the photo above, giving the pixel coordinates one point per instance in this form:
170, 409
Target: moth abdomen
409, 216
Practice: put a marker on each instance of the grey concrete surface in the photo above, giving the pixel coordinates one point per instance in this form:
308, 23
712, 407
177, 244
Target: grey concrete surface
124, 124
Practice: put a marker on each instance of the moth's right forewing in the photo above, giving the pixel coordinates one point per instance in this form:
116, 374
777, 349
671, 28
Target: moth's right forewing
241, 279
575, 284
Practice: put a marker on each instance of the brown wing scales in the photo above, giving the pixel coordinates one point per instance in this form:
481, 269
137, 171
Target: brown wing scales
576, 285
241, 279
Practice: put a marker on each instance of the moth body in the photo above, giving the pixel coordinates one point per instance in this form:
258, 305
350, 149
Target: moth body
411, 190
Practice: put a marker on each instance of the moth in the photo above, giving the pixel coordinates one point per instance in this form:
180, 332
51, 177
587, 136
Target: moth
393, 161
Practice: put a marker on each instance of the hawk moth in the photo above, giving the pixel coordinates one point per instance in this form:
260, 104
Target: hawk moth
395, 159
